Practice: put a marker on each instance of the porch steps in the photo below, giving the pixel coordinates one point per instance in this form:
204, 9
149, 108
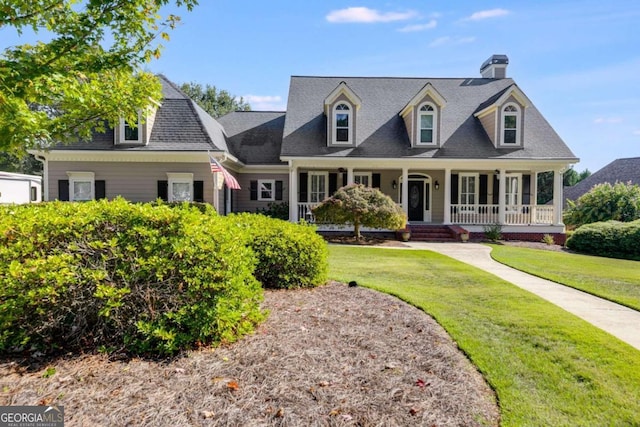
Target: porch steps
432, 233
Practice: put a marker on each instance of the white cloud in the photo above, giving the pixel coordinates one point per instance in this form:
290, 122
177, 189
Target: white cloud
636, 132
447, 40
487, 14
366, 15
265, 102
608, 120
419, 27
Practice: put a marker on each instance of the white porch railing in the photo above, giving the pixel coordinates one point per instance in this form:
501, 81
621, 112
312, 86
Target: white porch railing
489, 214
304, 211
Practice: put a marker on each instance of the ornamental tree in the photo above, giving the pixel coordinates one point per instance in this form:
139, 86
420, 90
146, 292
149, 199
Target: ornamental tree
85, 75
605, 202
361, 206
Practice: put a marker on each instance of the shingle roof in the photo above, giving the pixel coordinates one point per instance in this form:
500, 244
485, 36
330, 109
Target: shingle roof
180, 125
381, 132
254, 137
620, 170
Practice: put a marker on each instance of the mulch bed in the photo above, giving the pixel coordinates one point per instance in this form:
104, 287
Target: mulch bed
329, 356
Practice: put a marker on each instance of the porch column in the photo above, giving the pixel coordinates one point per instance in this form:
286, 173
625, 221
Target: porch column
557, 197
502, 192
405, 191
349, 175
447, 196
534, 198
293, 193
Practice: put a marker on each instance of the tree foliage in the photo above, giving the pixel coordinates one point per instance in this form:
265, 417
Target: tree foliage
86, 75
569, 178
26, 164
605, 202
360, 206
216, 103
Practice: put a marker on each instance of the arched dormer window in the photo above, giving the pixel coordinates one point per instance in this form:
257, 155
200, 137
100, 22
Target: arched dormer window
342, 124
511, 125
427, 120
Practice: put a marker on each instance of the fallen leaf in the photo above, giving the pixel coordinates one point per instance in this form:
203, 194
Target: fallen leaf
233, 385
420, 383
280, 413
334, 412
207, 414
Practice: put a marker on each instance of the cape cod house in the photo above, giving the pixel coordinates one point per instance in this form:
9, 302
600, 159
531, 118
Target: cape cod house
450, 151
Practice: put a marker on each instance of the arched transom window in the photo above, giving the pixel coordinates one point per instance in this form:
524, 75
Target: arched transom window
342, 124
427, 124
510, 125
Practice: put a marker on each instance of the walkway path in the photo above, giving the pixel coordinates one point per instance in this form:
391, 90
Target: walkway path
615, 319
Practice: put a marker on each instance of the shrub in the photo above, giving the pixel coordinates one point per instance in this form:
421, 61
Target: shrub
148, 279
493, 232
610, 239
605, 202
548, 239
288, 255
276, 210
361, 206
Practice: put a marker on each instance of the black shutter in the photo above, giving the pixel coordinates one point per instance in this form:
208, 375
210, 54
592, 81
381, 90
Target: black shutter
303, 185
278, 190
375, 180
526, 189
100, 189
344, 179
496, 190
483, 189
254, 190
63, 190
163, 190
454, 189
333, 183
198, 191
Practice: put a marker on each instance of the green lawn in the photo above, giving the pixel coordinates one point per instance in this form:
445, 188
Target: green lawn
613, 279
548, 367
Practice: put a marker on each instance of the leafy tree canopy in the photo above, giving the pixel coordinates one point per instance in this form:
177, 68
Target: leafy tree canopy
569, 178
216, 103
88, 72
605, 202
361, 206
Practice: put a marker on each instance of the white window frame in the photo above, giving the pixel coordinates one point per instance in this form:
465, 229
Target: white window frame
77, 178
334, 133
503, 128
319, 175
434, 129
357, 178
179, 178
267, 185
508, 194
465, 206
122, 132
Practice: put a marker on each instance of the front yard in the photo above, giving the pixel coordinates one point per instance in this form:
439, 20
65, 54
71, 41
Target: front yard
547, 366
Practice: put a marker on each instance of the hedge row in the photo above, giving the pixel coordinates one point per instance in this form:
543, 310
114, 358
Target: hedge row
609, 239
135, 277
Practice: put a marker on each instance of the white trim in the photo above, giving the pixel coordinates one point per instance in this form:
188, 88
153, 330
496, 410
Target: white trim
512, 91
179, 178
120, 135
334, 122
518, 129
476, 188
79, 178
434, 125
507, 191
367, 175
310, 176
427, 90
271, 190
342, 89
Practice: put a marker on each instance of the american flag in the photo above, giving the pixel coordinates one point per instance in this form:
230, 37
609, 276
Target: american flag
228, 178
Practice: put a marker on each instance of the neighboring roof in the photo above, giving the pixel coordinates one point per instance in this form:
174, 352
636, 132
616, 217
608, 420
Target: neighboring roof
620, 170
180, 125
12, 176
381, 132
254, 137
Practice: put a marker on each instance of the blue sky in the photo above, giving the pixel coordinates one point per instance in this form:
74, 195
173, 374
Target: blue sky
578, 61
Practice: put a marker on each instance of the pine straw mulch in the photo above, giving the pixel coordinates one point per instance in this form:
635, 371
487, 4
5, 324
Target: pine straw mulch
329, 356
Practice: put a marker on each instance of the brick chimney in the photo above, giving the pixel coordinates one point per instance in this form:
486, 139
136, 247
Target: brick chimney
495, 67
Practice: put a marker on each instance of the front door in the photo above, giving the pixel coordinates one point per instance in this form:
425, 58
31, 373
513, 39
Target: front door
416, 201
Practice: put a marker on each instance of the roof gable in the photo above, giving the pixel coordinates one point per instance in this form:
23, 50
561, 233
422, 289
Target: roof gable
427, 90
498, 100
341, 89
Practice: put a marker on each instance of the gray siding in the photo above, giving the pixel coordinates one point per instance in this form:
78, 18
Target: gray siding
242, 198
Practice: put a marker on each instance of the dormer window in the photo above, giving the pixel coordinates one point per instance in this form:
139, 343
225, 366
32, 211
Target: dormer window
511, 125
427, 121
342, 124
130, 133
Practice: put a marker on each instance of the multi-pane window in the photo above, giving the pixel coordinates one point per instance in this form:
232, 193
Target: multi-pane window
129, 133
81, 185
317, 186
266, 189
342, 124
362, 178
468, 189
510, 125
426, 119
512, 190
180, 187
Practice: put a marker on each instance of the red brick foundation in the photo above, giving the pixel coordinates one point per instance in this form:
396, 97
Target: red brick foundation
558, 238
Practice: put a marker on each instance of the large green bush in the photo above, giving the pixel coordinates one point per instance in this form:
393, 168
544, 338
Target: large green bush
361, 206
605, 202
289, 255
610, 239
116, 275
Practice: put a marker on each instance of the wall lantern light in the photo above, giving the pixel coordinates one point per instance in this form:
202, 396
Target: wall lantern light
437, 184
394, 184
